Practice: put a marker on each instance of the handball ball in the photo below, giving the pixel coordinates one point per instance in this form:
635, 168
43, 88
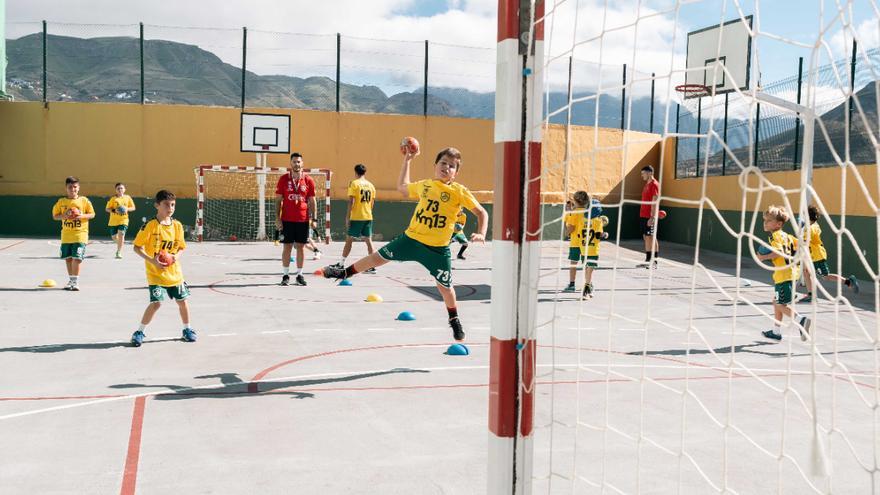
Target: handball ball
233, 238
165, 258
409, 144
661, 214
72, 212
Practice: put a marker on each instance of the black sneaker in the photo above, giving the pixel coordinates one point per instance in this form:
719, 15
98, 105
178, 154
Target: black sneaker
461, 257
457, 331
333, 271
285, 280
588, 292
370, 270
300, 280
770, 334
805, 324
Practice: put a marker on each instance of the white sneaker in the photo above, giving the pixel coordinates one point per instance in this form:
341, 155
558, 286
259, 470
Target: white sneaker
316, 255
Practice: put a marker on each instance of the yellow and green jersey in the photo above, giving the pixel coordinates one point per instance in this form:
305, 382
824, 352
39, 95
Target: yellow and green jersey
787, 245
114, 203
154, 237
77, 229
817, 249
433, 221
364, 194
594, 236
460, 220
577, 222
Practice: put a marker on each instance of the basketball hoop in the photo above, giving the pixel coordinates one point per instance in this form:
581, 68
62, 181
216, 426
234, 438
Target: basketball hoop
693, 90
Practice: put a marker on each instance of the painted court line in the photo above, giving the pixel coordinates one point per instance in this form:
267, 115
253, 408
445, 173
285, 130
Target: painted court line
222, 334
129, 477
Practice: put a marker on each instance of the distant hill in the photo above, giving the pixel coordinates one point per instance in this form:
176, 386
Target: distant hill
108, 70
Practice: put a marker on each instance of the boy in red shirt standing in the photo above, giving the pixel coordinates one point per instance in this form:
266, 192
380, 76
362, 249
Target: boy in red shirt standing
648, 216
295, 204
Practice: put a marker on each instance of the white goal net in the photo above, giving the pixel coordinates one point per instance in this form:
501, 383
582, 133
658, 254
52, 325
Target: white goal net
665, 379
238, 203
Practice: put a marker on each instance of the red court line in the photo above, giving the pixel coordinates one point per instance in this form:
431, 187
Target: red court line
129, 477
11, 245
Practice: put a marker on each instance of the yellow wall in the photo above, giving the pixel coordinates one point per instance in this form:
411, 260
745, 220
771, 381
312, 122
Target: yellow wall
726, 192
150, 147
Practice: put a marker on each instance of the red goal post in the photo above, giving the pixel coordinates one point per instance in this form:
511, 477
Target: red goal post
201, 171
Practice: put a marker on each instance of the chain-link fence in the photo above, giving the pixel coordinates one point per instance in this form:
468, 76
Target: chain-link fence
772, 139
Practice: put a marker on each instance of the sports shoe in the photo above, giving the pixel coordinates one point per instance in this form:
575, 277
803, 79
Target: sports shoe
806, 299
285, 280
770, 334
457, 331
137, 338
806, 323
370, 270
569, 288
300, 280
119, 255
189, 335
333, 271
461, 257
69, 285
74, 286
853, 283
316, 255
588, 292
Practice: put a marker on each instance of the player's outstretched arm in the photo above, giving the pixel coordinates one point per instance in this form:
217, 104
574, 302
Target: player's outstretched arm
482, 223
403, 181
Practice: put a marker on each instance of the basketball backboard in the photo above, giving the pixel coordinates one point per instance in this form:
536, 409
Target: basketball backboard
265, 133
705, 61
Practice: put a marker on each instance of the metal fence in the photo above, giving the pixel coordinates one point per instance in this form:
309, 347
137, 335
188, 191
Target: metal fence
250, 68
772, 139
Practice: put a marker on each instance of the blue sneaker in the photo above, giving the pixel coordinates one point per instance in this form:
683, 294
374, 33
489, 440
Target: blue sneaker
770, 334
853, 283
137, 338
189, 335
570, 288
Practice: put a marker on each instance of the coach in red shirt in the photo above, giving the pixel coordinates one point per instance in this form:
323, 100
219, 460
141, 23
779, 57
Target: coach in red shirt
294, 205
648, 216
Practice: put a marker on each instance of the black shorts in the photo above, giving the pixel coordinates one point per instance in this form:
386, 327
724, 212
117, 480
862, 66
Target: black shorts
646, 229
297, 232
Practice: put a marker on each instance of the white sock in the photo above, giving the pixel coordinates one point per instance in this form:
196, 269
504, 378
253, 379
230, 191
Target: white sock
186, 325
286, 270
342, 261
298, 271
74, 278
141, 327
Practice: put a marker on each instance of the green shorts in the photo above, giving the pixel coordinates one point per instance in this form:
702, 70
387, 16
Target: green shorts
75, 250
782, 292
176, 292
821, 267
574, 254
459, 237
114, 229
360, 228
593, 261
437, 259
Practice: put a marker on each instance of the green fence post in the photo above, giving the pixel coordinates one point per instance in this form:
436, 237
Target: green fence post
243, 63
143, 96
45, 49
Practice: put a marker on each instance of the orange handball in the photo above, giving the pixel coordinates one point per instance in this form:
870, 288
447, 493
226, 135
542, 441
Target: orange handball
165, 258
409, 144
661, 214
72, 212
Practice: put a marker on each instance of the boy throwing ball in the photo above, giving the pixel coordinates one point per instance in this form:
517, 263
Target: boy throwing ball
119, 207
159, 243
74, 212
783, 247
426, 241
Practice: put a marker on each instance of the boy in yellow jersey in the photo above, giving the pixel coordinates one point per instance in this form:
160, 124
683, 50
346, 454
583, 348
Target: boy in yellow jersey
458, 234
164, 278
74, 212
783, 247
575, 229
359, 216
595, 234
820, 259
426, 241
118, 207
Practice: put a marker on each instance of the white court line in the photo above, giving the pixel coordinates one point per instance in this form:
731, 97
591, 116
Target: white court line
222, 334
275, 331
440, 368
630, 329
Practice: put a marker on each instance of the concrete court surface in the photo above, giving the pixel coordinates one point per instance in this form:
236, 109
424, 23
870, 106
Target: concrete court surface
312, 390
